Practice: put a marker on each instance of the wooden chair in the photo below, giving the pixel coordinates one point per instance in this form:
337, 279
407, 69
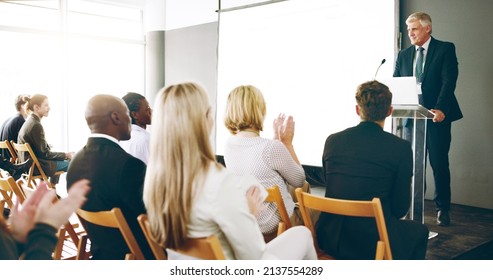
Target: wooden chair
206, 248
10, 186
274, 196
26, 148
6, 193
5, 145
158, 251
354, 208
113, 219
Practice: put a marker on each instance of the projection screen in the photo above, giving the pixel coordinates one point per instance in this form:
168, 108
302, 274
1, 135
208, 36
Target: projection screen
307, 57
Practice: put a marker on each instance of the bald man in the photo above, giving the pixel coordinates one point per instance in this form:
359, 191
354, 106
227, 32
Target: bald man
116, 178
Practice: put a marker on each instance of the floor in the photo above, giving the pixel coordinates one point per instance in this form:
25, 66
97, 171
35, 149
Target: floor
469, 236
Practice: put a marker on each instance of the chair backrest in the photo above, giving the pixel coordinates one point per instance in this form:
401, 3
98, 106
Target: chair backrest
274, 196
157, 250
10, 185
206, 248
354, 208
6, 145
26, 148
6, 193
114, 219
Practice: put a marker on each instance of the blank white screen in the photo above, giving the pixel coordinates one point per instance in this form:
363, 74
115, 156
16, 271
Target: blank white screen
307, 57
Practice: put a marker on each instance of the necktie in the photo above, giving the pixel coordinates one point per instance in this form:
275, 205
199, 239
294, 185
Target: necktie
419, 65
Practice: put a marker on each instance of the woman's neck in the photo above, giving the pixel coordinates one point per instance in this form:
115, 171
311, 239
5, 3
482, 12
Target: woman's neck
248, 133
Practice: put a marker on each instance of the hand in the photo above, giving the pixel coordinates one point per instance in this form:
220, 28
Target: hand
278, 124
69, 155
57, 214
287, 133
439, 115
22, 219
254, 200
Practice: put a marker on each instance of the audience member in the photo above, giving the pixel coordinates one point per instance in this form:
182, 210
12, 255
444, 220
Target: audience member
364, 162
10, 128
197, 197
31, 233
32, 132
140, 112
271, 161
116, 177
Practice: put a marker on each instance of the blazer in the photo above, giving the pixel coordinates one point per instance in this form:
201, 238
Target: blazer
439, 76
116, 180
32, 132
361, 163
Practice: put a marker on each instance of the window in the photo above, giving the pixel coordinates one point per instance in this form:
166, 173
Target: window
69, 50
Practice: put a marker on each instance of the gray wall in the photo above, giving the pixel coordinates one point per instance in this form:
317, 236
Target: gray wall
191, 54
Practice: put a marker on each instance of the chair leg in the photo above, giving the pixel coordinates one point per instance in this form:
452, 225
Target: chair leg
57, 254
82, 254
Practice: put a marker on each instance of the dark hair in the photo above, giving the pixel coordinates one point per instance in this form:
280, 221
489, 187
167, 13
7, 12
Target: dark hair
21, 100
36, 99
132, 100
374, 100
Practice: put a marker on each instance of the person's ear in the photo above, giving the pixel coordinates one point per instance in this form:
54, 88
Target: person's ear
115, 118
391, 110
357, 110
134, 115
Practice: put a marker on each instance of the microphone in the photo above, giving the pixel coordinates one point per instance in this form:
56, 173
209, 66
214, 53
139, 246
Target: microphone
376, 72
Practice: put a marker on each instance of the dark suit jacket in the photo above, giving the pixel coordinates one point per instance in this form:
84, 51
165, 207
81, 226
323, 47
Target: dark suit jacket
116, 180
439, 76
361, 163
10, 131
32, 132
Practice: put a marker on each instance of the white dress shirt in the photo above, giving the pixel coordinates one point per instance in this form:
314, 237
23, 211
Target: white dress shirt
138, 145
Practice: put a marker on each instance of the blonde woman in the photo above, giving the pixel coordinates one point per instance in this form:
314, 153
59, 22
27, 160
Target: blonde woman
271, 161
189, 195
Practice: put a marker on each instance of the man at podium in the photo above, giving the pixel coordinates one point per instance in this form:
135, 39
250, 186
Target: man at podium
434, 64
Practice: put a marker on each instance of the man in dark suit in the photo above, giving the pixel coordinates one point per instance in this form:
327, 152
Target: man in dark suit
10, 128
116, 178
436, 82
364, 162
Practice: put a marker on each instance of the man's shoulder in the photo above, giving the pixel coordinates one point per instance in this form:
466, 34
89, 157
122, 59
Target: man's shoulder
435, 43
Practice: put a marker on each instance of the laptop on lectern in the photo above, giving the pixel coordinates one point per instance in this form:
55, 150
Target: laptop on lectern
404, 90
405, 94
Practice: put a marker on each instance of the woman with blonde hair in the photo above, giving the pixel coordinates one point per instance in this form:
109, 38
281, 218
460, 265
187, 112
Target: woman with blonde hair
270, 161
189, 195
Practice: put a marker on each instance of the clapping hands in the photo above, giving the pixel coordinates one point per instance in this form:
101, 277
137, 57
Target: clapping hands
40, 208
284, 129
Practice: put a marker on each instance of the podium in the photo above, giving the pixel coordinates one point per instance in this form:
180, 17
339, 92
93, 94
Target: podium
409, 122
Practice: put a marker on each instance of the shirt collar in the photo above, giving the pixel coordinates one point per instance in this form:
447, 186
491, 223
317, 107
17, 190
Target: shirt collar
425, 45
101, 135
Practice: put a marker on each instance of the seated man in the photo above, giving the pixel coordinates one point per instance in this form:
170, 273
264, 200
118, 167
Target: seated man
116, 178
364, 162
140, 112
10, 128
32, 132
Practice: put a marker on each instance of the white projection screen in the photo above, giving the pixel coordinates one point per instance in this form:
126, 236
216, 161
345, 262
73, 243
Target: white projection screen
307, 57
